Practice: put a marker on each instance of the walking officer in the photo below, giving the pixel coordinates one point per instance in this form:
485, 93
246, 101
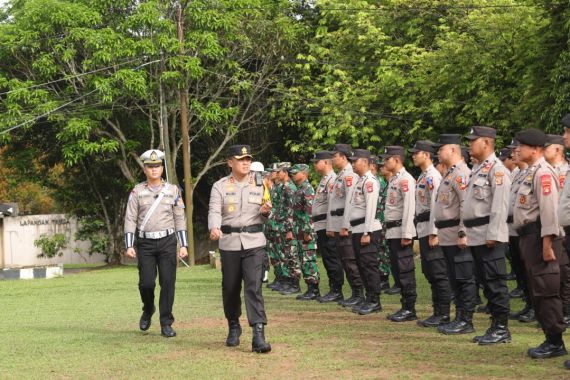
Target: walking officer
485, 218
400, 230
433, 260
338, 224
536, 222
365, 230
451, 233
155, 211
235, 219
322, 162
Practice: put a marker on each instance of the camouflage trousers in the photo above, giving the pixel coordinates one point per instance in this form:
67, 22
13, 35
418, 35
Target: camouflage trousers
275, 253
307, 254
383, 256
292, 265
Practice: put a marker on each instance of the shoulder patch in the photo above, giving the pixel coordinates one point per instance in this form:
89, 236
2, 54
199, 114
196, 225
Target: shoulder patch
499, 178
404, 185
546, 184
369, 187
348, 180
429, 181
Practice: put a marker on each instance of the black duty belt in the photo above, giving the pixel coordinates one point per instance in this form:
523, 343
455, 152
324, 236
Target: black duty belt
567, 230
530, 229
509, 219
423, 217
447, 223
392, 224
337, 212
477, 221
357, 222
251, 229
318, 218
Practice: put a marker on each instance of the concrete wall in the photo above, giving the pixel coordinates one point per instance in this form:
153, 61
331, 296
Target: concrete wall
17, 236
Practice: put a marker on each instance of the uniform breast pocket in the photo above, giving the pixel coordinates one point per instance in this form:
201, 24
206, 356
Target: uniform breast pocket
444, 197
255, 199
525, 198
167, 201
481, 189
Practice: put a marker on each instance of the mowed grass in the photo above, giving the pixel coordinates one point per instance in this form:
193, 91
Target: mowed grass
85, 325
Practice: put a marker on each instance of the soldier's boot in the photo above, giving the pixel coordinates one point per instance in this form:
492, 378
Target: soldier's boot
516, 293
292, 289
282, 284
406, 313
334, 295
258, 343
462, 326
516, 314
275, 282
528, 315
234, 333
567, 364
393, 290
384, 282
312, 293
356, 298
552, 347
566, 312
440, 316
498, 332
372, 305
451, 324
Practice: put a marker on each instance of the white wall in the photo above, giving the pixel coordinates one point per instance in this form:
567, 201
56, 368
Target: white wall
20, 233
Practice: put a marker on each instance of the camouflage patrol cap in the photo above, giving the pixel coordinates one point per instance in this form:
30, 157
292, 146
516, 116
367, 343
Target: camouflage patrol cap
283, 166
153, 156
298, 168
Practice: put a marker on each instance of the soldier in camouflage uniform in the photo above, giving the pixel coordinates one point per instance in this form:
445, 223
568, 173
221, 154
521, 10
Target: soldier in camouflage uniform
304, 231
274, 247
285, 223
383, 257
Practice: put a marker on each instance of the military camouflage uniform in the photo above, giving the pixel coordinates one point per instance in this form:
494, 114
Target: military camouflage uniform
272, 228
307, 251
285, 223
383, 255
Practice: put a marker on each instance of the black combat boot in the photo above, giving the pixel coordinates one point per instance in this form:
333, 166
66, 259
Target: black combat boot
440, 316
462, 325
516, 314
145, 321
356, 298
458, 316
372, 305
334, 295
275, 282
293, 287
234, 333
516, 293
282, 284
566, 312
406, 313
258, 343
312, 293
498, 332
393, 290
552, 347
384, 282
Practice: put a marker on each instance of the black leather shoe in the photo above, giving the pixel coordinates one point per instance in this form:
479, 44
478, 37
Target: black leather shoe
516, 293
167, 331
369, 308
145, 321
498, 334
567, 364
434, 321
403, 315
234, 333
357, 298
332, 296
258, 343
393, 290
547, 350
312, 293
528, 317
459, 327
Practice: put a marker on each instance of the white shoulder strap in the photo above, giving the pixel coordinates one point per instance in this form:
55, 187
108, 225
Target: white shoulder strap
153, 206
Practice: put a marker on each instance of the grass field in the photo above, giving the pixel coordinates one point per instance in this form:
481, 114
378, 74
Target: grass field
85, 325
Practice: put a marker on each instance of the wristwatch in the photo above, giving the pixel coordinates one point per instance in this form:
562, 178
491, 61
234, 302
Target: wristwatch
461, 234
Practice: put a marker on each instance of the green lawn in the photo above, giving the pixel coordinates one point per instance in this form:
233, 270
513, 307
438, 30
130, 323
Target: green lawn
86, 326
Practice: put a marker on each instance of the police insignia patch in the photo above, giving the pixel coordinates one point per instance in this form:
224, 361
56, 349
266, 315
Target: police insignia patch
153, 156
404, 184
546, 183
348, 180
499, 178
522, 200
429, 181
369, 187
562, 179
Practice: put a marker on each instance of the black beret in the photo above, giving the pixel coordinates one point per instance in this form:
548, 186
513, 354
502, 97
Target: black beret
423, 146
360, 153
446, 139
322, 155
344, 149
505, 153
531, 137
480, 131
554, 139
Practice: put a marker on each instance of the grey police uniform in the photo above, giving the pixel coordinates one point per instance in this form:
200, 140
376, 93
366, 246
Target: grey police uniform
563, 259
488, 195
235, 210
338, 218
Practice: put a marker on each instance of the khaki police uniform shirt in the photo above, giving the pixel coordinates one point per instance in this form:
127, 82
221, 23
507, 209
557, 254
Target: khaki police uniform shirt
516, 181
449, 202
401, 205
168, 215
564, 203
363, 204
321, 202
426, 188
488, 194
538, 197
339, 198
237, 204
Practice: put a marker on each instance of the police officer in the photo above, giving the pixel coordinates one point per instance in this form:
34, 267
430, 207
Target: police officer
155, 211
433, 260
451, 233
322, 162
365, 229
338, 223
400, 230
304, 231
235, 218
536, 221
487, 231
564, 203
554, 154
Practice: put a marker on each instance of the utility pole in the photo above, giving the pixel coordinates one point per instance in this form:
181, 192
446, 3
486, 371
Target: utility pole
183, 94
